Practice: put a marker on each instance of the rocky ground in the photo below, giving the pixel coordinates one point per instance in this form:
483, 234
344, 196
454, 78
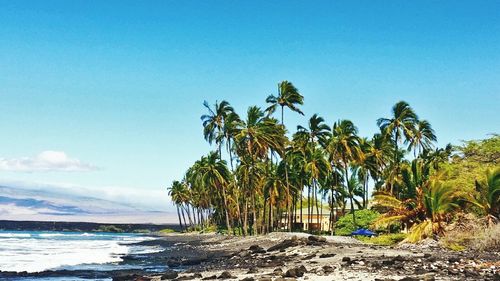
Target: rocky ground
284, 256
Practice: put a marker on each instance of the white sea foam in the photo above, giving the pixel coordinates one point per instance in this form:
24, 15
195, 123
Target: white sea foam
34, 252
14, 235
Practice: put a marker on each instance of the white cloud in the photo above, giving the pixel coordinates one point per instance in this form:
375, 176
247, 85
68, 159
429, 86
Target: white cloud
46, 161
146, 199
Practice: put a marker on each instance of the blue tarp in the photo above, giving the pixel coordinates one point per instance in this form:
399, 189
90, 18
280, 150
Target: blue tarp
363, 232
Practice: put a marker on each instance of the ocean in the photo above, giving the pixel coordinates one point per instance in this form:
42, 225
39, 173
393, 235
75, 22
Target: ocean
35, 251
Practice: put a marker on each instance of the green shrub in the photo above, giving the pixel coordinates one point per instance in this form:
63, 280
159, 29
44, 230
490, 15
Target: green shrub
209, 229
384, 239
167, 231
109, 228
364, 219
142, 231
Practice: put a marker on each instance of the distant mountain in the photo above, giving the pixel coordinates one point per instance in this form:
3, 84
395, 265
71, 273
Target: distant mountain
18, 203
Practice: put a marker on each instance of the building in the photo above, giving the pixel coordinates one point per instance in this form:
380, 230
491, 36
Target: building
320, 219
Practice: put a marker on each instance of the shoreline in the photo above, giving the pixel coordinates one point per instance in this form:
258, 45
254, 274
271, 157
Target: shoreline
290, 256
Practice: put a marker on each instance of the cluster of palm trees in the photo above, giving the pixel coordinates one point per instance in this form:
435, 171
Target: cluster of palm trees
271, 174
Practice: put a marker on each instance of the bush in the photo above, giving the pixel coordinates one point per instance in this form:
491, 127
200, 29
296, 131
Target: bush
166, 231
487, 240
461, 233
364, 219
109, 228
209, 229
142, 231
384, 239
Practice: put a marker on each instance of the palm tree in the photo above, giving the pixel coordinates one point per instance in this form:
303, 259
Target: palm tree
423, 137
424, 203
317, 167
438, 156
256, 136
487, 196
402, 124
378, 155
355, 186
296, 157
213, 123
231, 124
316, 133
344, 146
274, 184
364, 165
423, 215
214, 174
176, 191
288, 96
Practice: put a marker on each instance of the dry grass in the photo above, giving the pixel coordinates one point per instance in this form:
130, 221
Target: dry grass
469, 232
487, 240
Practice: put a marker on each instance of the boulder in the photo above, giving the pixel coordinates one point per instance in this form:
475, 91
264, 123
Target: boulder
169, 275
314, 238
256, 249
328, 269
226, 275
296, 272
327, 255
287, 243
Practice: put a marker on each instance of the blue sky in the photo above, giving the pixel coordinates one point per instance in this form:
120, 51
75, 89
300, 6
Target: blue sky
117, 86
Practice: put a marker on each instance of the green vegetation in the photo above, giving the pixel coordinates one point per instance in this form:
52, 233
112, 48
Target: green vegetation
167, 231
384, 239
262, 176
109, 228
364, 219
142, 231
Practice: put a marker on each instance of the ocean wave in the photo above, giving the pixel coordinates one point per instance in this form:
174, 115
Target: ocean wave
15, 235
64, 249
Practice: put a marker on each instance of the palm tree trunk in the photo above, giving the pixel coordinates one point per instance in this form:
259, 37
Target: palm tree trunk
228, 224
264, 216
331, 210
288, 207
282, 115
179, 215
321, 212
189, 215
316, 200
396, 163
245, 217
308, 208
301, 199
183, 217
366, 190
352, 210
271, 224
254, 210
351, 195
230, 153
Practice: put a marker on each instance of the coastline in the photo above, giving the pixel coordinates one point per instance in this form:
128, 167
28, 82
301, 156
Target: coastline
291, 256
